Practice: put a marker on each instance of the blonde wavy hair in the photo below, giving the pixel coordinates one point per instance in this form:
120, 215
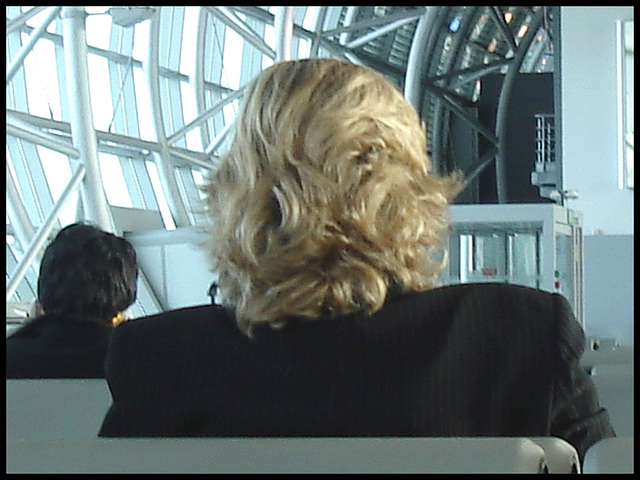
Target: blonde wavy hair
325, 198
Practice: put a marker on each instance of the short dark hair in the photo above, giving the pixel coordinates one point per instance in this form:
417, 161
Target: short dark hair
87, 273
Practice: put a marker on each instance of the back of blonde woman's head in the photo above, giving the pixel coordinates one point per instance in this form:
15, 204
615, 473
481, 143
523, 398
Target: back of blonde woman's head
325, 198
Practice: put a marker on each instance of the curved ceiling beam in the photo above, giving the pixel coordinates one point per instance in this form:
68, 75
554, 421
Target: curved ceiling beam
437, 95
441, 112
505, 97
423, 36
162, 157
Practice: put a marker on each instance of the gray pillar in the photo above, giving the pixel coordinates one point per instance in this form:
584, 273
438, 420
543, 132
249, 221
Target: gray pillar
96, 207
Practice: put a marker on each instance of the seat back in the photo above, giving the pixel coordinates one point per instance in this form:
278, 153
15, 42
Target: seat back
610, 455
40, 409
276, 455
611, 368
615, 386
561, 456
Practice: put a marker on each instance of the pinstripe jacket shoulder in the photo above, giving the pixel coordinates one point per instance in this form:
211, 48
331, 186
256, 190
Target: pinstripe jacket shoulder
465, 360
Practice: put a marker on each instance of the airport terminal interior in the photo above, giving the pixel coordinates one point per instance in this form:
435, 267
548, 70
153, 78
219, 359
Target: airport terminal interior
116, 115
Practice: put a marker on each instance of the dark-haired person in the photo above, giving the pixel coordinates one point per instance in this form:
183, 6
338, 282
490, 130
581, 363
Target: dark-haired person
328, 228
87, 279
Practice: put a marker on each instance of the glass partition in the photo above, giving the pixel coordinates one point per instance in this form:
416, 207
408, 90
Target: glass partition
534, 245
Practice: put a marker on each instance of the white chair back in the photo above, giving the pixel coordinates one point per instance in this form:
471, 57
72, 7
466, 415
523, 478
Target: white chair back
561, 456
40, 409
611, 455
276, 455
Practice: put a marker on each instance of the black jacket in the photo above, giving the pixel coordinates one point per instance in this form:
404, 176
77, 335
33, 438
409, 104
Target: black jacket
466, 360
58, 347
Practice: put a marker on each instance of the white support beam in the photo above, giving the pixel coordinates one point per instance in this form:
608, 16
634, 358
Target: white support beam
39, 239
283, 26
110, 142
205, 116
94, 198
231, 19
17, 213
26, 132
17, 22
35, 36
216, 142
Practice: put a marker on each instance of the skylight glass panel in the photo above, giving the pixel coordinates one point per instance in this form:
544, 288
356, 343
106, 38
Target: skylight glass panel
143, 104
310, 18
101, 105
39, 67
162, 201
189, 34
269, 39
58, 172
42, 80
140, 40
193, 139
113, 180
98, 27
232, 59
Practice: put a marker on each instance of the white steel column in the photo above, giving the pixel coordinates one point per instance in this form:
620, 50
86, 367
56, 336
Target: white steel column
283, 28
94, 198
226, 15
